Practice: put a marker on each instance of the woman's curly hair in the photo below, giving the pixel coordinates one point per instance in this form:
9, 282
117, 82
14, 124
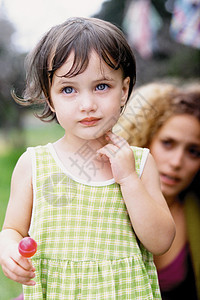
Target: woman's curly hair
151, 105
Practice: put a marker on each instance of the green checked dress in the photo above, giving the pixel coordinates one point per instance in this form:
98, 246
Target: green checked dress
87, 248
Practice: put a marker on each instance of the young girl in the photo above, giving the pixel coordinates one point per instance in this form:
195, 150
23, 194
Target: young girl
171, 130
91, 202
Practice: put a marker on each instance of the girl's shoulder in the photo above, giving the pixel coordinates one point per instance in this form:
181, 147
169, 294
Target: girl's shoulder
38, 149
40, 152
140, 152
24, 163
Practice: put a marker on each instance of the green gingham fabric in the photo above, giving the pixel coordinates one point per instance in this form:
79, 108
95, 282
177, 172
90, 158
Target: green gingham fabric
87, 248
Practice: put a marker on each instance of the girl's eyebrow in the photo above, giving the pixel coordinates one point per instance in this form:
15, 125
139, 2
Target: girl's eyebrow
104, 78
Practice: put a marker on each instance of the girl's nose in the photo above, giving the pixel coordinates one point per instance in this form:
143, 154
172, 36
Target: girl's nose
87, 103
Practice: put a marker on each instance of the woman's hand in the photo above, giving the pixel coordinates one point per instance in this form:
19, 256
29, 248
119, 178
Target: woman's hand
120, 155
15, 266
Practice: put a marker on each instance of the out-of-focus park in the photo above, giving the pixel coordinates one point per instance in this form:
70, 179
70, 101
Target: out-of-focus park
166, 46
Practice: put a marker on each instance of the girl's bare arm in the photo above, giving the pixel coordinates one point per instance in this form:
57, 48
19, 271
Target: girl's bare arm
16, 224
147, 208
148, 211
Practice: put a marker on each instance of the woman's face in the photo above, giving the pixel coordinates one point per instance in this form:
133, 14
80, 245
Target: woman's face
176, 150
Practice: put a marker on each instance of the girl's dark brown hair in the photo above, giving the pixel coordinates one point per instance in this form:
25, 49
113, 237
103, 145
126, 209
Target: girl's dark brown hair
80, 36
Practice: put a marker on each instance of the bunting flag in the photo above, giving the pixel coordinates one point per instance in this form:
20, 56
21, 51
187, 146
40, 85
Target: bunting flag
141, 24
185, 24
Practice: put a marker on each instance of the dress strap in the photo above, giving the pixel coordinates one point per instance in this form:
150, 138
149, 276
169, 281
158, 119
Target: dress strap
143, 160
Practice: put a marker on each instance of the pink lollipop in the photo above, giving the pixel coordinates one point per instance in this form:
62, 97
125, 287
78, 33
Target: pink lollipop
27, 247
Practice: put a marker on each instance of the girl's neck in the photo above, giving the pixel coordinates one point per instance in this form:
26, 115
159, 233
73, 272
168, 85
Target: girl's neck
73, 145
84, 155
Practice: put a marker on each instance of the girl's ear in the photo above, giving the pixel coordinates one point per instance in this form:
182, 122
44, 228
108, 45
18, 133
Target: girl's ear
50, 105
125, 89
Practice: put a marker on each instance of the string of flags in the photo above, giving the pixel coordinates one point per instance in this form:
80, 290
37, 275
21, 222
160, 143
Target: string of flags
142, 23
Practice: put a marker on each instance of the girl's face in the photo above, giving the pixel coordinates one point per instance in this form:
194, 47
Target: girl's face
176, 150
88, 105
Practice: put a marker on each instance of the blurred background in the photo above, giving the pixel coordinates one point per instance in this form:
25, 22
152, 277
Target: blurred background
164, 35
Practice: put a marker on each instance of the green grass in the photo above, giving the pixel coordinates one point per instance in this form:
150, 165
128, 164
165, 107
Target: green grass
41, 135
33, 136
8, 288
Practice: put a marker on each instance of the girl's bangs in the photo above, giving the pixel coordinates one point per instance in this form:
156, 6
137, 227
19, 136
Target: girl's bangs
82, 48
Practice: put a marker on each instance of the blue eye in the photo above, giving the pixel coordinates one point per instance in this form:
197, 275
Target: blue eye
68, 90
101, 87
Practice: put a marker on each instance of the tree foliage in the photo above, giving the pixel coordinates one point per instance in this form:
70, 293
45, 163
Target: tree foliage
113, 11
11, 75
170, 59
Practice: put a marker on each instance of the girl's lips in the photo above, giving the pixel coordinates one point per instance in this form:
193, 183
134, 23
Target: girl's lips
89, 121
169, 180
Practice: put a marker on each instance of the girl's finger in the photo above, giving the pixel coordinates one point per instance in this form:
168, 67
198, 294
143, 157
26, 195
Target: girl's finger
21, 279
117, 140
18, 270
109, 150
25, 263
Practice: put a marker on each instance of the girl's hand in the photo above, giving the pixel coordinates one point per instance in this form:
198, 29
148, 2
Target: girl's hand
121, 157
16, 267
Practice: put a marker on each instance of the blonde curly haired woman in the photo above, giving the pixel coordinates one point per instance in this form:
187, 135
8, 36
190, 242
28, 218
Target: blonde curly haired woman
166, 119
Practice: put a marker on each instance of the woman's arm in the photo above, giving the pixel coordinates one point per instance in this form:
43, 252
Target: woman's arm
16, 224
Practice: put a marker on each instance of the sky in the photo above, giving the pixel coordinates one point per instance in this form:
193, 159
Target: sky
32, 18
